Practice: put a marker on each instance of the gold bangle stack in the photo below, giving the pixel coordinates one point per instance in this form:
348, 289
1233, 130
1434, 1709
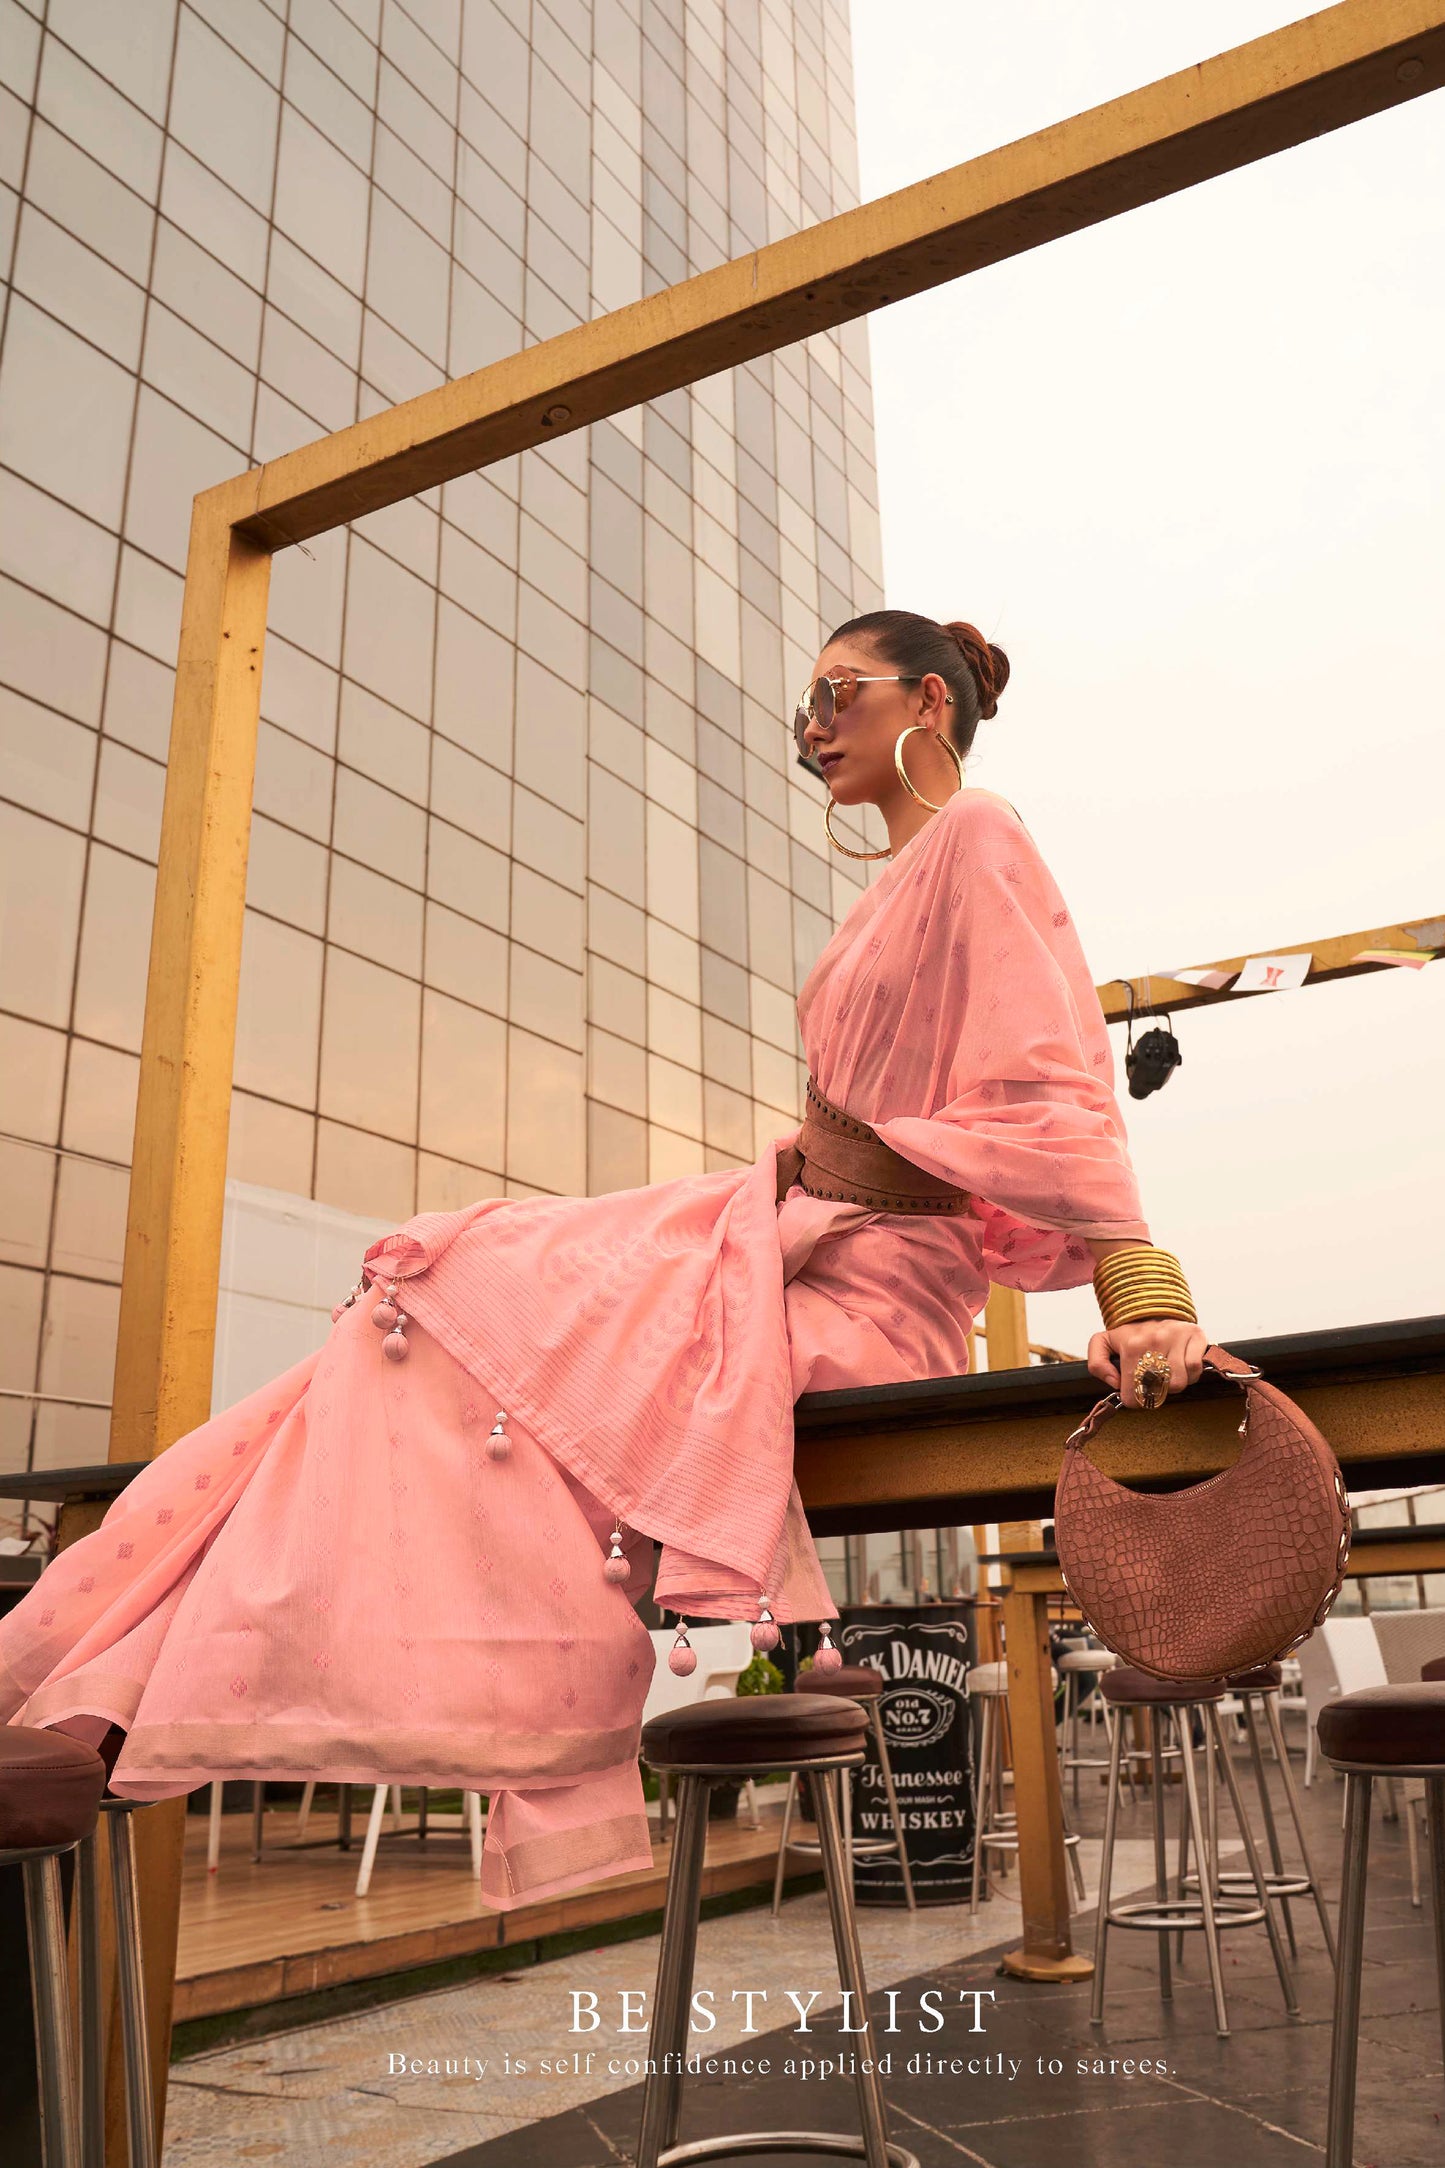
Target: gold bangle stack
1141, 1282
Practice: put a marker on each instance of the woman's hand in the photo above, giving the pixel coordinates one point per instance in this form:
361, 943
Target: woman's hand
1112, 1355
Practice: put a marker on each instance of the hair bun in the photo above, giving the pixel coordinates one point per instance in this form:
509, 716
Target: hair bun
988, 663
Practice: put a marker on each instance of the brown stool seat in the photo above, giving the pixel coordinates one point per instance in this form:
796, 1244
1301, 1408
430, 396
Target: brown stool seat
1257, 1680
855, 1682
1386, 1727
1126, 1684
754, 1731
50, 1787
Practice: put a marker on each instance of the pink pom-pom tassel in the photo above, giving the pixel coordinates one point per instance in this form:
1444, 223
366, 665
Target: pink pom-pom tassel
682, 1657
825, 1656
765, 1634
617, 1569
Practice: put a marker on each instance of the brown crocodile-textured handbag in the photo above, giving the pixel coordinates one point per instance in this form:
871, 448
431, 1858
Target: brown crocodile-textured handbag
1235, 1571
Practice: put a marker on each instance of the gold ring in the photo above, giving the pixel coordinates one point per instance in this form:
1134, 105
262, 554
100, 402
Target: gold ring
1151, 1378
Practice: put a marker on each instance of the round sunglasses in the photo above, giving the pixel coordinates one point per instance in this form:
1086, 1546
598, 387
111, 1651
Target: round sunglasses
827, 697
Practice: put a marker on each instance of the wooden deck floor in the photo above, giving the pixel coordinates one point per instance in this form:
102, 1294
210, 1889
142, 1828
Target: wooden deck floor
254, 1934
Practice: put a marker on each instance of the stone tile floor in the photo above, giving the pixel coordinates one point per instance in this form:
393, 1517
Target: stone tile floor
331, 2095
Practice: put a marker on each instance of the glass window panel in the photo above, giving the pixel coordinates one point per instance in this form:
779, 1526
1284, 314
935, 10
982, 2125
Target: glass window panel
114, 948
32, 1072
367, 1006
100, 1095
546, 1128
321, 200
46, 763
223, 111
65, 413
41, 867
278, 1024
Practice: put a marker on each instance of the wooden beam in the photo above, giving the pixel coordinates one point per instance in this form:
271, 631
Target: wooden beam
171, 1272
1297, 83
947, 1475
1156, 993
171, 1276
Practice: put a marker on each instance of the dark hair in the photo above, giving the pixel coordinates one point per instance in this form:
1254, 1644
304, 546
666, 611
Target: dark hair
973, 669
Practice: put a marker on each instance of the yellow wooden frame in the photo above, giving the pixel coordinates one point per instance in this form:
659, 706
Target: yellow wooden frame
1300, 82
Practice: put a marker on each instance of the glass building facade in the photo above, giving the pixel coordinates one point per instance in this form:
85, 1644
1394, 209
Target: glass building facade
535, 872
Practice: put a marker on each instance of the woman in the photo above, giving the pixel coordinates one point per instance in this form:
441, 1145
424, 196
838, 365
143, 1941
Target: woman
391, 1569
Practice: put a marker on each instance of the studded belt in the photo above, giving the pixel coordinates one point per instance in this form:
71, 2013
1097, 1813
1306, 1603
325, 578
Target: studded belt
840, 1157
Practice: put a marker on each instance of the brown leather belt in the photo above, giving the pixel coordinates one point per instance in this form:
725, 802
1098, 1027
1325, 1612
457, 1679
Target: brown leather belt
840, 1157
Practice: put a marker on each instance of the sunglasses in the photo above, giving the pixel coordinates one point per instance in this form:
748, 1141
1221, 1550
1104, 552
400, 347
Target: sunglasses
827, 697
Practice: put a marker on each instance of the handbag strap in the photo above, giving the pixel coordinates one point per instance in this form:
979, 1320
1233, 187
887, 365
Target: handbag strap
1216, 1358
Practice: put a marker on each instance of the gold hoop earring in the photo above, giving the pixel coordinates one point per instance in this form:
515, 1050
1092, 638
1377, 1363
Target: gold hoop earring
828, 831
902, 773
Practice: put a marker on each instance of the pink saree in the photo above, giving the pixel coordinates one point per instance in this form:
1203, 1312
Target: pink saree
334, 1579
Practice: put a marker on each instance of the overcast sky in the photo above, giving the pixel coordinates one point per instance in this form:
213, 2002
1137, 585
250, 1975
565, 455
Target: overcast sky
1186, 468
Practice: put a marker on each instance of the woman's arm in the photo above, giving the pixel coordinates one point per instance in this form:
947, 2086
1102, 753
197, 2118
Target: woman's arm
1112, 1355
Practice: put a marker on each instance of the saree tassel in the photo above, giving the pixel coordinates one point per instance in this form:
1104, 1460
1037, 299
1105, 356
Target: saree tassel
682, 1656
340, 1309
825, 1656
765, 1632
499, 1445
389, 1318
617, 1567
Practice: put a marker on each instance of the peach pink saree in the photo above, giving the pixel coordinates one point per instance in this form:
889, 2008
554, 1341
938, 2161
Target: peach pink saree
335, 1579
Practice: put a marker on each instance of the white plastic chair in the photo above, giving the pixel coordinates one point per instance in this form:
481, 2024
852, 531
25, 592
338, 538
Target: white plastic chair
1407, 1640
471, 1819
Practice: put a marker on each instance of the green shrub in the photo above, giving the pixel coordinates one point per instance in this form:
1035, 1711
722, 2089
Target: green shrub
762, 1676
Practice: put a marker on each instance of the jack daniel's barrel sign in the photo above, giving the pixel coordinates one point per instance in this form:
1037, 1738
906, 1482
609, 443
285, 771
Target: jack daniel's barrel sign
923, 1653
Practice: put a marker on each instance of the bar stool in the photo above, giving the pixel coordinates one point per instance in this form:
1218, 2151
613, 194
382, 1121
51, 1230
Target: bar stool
1381, 1731
50, 1790
1211, 1910
819, 1734
1257, 1691
860, 1683
996, 1826
1075, 1666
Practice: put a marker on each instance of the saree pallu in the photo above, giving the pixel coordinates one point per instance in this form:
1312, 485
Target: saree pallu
334, 1580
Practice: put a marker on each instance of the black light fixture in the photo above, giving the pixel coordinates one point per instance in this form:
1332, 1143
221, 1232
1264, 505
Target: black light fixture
1151, 1063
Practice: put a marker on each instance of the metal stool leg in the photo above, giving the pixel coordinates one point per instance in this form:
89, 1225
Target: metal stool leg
871, 2111
1272, 1718
1435, 1833
1276, 1857
1281, 1962
885, 1770
662, 2089
984, 1818
1161, 1865
1206, 1872
1344, 2044
1106, 1869
783, 1840
845, 1821
54, 2042
1071, 1851
139, 2106
92, 2002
